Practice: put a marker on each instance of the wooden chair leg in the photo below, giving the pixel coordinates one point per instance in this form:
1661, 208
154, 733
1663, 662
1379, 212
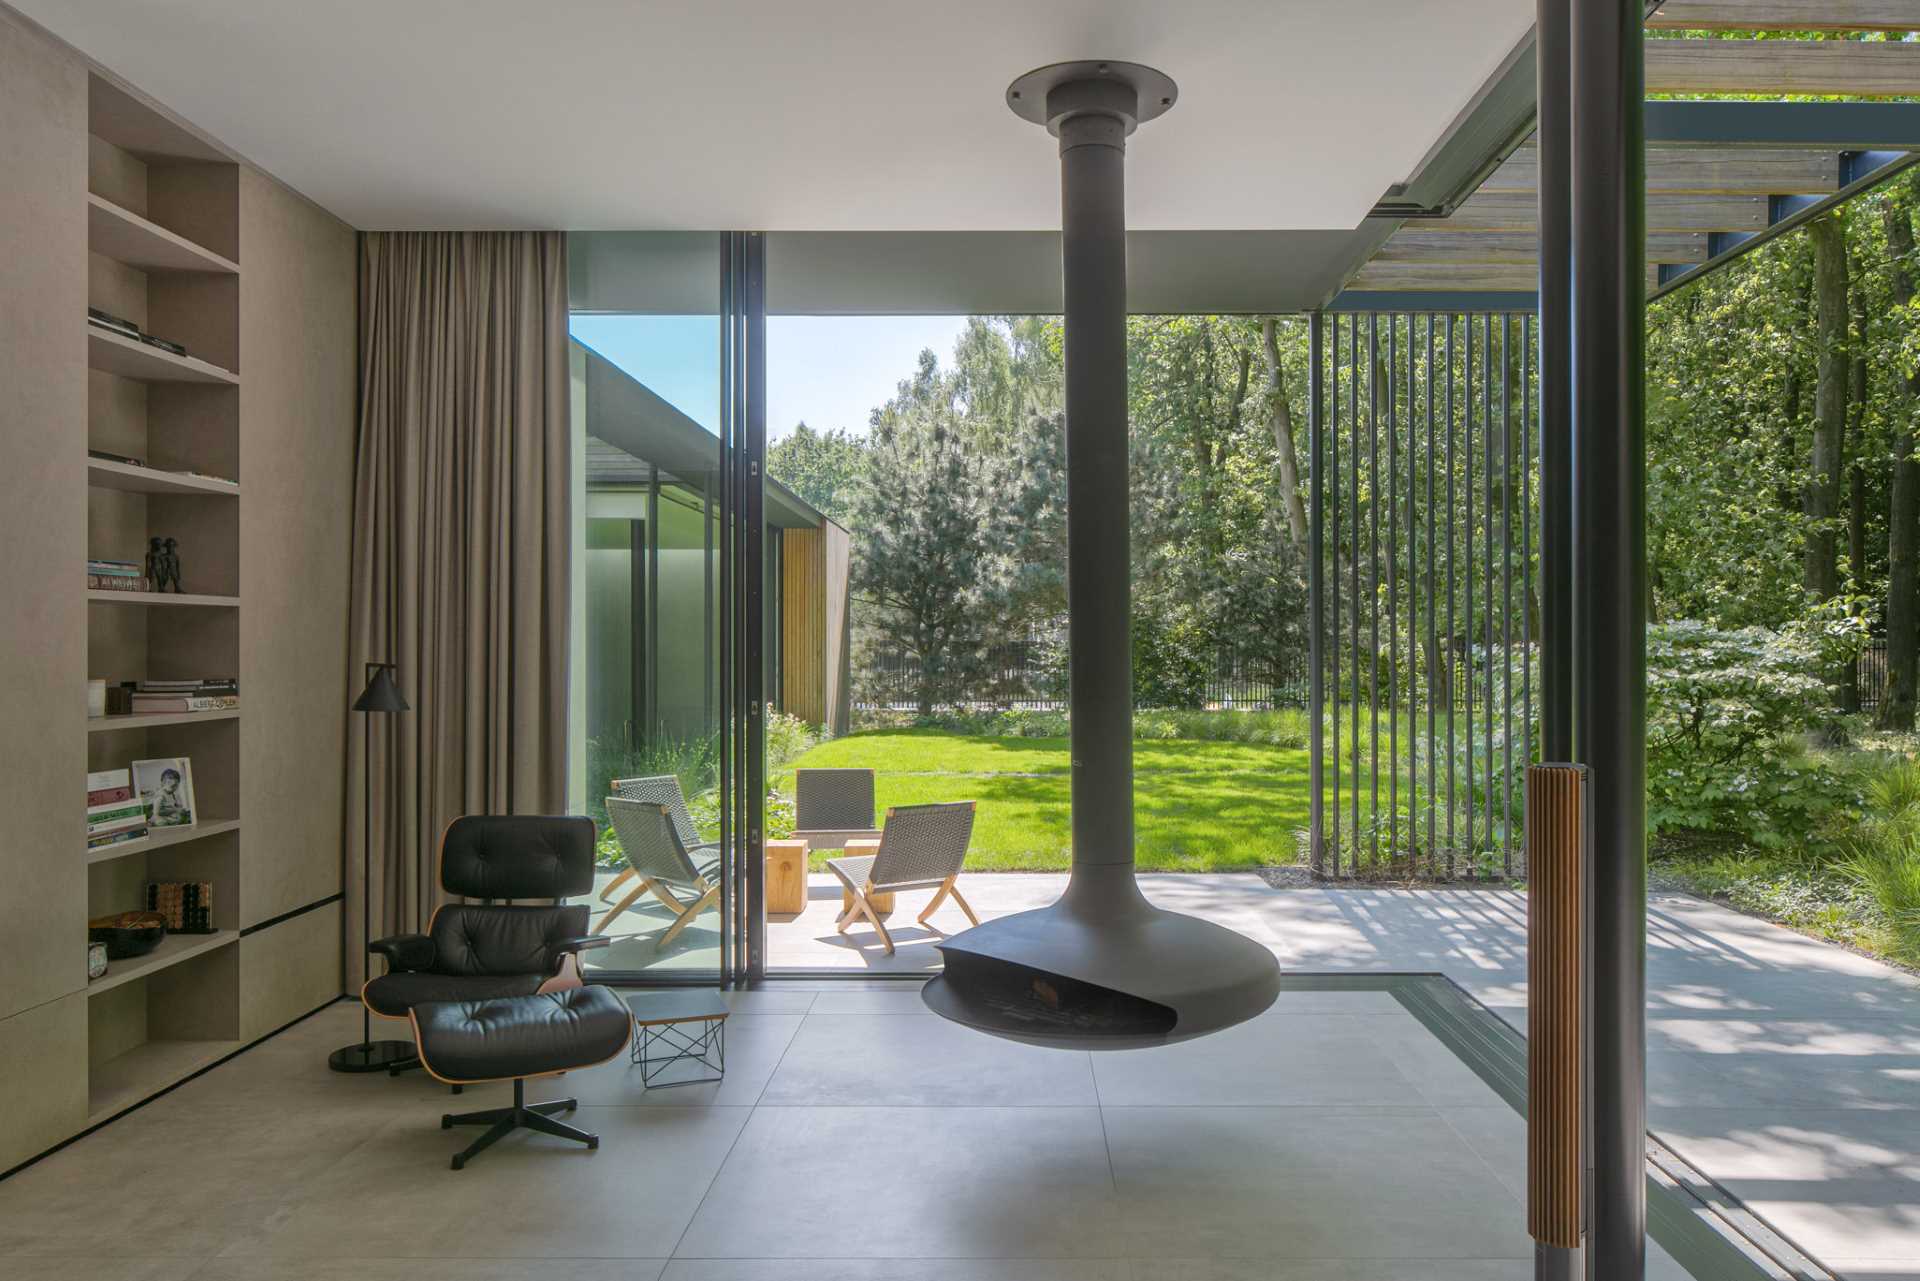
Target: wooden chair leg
873, 914
954, 891
626, 874
625, 903
698, 906
939, 897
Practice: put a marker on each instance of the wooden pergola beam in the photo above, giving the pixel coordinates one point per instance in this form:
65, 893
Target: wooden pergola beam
1516, 211
1516, 248
1455, 277
1851, 68
1707, 171
1787, 15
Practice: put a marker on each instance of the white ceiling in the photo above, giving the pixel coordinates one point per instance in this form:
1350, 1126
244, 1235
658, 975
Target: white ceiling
797, 115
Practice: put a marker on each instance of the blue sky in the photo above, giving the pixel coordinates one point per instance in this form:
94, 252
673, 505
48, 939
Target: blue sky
826, 371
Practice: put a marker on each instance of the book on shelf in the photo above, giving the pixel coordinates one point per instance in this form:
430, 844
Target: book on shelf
113, 811
108, 456
111, 839
101, 832
203, 685
116, 583
122, 568
116, 324
103, 780
149, 704
108, 795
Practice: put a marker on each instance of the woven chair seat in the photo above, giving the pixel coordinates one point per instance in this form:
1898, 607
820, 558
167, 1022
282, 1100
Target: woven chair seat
855, 870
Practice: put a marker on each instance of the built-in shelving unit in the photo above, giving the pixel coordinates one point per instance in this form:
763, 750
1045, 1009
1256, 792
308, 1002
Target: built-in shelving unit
164, 599
112, 353
163, 837
152, 480
125, 236
116, 1084
156, 720
162, 213
173, 949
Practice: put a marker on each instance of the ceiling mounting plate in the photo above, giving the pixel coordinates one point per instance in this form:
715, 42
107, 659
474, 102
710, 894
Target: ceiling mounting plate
1154, 90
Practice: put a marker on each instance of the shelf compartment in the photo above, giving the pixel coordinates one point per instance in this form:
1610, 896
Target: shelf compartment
148, 1068
153, 720
163, 839
173, 949
117, 354
97, 595
105, 474
124, 236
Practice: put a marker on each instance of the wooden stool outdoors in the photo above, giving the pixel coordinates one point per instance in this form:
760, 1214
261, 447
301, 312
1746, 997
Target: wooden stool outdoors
787, 877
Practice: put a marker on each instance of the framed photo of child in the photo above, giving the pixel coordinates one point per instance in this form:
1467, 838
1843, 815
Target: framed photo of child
165, 787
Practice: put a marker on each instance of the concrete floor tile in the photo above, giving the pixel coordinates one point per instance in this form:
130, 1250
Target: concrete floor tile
1307, 1183
910, 1183
921, 1060
450, 1269
1276, 1059
529, 1196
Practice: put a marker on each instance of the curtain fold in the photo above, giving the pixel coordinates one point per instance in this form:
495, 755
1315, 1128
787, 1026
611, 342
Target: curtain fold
460, 550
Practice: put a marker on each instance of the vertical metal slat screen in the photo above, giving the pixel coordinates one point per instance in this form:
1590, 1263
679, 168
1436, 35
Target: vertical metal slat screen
1423, 491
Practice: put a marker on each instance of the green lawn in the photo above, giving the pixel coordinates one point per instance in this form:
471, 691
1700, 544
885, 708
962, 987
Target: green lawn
1198, 806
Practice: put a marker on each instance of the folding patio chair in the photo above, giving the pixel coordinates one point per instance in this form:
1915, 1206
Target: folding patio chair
653, 848
659, 789
832, 807
921, 845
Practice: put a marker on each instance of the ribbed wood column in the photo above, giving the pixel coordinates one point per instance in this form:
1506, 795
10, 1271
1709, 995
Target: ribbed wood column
1558, 948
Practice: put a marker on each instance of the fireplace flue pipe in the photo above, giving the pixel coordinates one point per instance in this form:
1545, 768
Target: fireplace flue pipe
1102, 968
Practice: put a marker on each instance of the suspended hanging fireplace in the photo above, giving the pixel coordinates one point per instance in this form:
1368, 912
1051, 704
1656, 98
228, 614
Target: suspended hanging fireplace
1102, 968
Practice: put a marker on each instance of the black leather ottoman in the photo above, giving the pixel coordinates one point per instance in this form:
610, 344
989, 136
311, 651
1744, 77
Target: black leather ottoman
513, 1038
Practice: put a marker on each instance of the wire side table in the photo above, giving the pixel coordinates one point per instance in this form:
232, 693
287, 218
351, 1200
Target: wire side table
679, 1026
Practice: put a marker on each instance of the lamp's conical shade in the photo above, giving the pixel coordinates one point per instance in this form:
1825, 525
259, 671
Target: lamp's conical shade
381, 694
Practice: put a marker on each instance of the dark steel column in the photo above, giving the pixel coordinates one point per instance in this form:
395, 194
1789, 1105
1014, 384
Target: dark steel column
1316, 604
1099, 651
1608, 166
1551, 41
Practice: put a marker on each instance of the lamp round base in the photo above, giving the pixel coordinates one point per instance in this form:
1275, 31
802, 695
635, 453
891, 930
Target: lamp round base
373, 1056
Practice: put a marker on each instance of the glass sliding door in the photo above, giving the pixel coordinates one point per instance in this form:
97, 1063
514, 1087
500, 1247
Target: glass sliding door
658, 713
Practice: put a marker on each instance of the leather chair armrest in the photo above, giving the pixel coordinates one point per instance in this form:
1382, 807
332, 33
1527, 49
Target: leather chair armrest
411, 952
560, 950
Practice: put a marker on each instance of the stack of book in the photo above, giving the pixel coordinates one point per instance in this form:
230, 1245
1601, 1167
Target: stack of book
116, 576
209, 694
114, 814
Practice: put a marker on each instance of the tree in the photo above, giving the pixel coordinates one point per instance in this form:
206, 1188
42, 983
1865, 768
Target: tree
1822, 493
1903, 517
824, 468
924, 560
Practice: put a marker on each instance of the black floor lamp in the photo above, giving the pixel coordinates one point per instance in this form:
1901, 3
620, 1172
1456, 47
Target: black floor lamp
380, 696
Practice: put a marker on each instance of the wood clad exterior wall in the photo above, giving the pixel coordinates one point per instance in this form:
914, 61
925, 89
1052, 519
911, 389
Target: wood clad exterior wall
816, 656
1557, 948
837, 562
803, 624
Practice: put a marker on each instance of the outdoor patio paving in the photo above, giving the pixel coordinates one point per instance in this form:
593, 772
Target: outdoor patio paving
1786, 1069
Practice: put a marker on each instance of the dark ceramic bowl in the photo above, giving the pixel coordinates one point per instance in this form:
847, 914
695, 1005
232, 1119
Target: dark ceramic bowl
128, 934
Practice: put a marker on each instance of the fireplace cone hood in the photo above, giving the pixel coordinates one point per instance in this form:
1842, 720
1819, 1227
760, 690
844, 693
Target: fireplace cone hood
1102, 968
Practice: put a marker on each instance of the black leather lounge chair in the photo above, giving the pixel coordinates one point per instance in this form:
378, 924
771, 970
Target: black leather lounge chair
495, 947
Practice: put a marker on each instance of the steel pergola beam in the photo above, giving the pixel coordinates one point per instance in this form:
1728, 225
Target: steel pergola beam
1831, 126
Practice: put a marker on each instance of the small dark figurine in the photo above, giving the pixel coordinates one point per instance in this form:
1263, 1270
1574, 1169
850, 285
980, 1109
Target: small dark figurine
163, 564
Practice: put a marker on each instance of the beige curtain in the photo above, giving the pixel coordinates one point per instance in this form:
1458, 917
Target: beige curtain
460, 549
